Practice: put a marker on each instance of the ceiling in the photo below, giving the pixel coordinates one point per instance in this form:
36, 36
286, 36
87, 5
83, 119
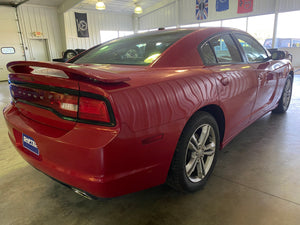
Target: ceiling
35, 2
121, 6
118, 6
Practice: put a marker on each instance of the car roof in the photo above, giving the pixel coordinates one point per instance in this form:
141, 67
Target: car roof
200, 29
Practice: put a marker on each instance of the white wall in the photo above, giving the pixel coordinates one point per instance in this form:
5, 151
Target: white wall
288, 5
44, 19
96, 21
162, 17
9, 39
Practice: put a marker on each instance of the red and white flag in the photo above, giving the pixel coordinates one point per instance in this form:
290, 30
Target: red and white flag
245, 6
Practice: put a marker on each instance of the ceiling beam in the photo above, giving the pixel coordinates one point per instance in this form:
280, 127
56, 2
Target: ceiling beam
68, 4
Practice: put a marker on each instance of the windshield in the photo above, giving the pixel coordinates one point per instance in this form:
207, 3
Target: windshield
140, 49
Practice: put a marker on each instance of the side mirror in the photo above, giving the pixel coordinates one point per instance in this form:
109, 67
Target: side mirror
277, 55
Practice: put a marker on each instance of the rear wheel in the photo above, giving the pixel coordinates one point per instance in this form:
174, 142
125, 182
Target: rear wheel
196, 153
286, 96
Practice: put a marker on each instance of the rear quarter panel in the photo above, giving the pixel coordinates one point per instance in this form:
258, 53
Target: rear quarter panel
159, 109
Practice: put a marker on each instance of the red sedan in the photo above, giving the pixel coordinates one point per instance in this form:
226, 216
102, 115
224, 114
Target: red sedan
138, 111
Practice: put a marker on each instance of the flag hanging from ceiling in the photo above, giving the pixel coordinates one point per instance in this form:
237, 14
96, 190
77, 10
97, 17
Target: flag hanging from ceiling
81, 25
222, 5
245, 6
201, 9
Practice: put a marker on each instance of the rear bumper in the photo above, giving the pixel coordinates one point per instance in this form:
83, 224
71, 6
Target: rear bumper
73, 157
97, 160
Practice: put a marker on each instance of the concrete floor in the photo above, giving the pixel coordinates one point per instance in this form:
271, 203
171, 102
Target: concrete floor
256, 181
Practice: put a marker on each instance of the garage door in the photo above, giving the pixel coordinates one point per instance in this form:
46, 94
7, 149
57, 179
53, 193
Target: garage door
10, 42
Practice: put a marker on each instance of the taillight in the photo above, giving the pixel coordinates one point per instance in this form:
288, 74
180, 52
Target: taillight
63, 104
93, 109
86, 108
66, 105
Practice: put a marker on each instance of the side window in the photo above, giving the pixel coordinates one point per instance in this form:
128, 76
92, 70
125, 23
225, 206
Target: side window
208, 56
253, 50
220, 49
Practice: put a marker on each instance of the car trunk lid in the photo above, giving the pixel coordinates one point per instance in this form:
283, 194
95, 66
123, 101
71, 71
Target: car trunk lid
55, 94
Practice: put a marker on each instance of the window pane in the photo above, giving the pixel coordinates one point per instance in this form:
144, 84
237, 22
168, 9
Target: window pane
262, 31
190, 25
8, 50
172, 27
142, 31
207, 55
140, 49
253, 50
240, 23
286, 25
107, 35
211, 24
125, 33
225, 49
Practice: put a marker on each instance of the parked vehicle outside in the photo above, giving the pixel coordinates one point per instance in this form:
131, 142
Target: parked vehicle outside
282, 43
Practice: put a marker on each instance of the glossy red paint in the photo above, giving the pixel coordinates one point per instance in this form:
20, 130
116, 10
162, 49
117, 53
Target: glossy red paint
150, 107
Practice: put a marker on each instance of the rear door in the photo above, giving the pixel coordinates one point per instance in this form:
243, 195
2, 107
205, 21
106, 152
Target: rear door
236, 81
266, 72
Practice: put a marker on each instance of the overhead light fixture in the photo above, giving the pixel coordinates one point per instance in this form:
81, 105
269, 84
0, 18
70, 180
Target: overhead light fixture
138, 9
100, 5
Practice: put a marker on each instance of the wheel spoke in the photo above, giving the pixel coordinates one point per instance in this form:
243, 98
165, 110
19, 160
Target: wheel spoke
201, 169
190, 167
204, 135
209, 149
194, 140
192, 146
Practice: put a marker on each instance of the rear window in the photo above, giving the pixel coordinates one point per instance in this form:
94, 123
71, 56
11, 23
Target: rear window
140, 49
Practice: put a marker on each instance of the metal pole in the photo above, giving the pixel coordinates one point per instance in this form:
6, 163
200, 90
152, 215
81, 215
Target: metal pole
274, 40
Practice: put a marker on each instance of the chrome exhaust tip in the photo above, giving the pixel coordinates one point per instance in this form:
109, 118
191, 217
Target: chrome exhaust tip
83, 194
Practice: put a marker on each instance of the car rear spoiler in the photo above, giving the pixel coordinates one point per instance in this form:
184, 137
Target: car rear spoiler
73, 71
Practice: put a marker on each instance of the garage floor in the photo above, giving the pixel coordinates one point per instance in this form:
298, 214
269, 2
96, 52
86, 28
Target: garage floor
256, 181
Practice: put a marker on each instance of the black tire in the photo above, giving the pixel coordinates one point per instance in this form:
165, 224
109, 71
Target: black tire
191, 166
70, 53
286, 96
79, 50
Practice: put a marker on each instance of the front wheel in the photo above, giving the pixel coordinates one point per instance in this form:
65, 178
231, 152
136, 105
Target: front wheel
286, 96
196, 153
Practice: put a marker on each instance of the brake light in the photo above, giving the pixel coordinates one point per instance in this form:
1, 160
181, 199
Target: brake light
64, 104
93, 109
67, 104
